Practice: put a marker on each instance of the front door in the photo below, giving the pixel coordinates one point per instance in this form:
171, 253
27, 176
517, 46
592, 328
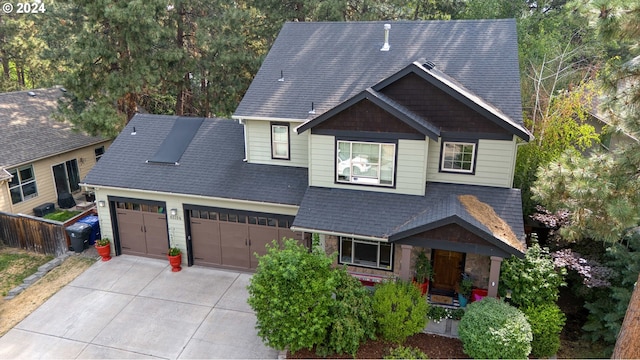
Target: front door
447, 269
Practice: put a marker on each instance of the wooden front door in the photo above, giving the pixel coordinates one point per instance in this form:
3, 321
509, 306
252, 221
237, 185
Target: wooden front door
447, 267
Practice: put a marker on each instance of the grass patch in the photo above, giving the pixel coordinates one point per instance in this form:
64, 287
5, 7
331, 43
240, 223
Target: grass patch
61, 215
16, 265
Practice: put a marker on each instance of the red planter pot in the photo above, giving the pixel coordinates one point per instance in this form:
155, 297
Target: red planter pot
104, 251
175, 262
424, 287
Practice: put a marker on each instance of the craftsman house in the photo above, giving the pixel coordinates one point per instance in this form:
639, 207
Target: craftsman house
382, 138
41, 159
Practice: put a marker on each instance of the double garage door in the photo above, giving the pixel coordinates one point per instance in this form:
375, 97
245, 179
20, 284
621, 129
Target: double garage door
230, 238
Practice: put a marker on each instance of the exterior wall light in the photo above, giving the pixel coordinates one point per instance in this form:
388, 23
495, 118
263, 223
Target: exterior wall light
101, 203
173, 212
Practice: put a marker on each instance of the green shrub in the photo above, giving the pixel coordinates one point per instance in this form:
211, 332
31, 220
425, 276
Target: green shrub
546, 323
492, 329
351, 314
408, 352
400, 310
437, 313
532, 280
291, 294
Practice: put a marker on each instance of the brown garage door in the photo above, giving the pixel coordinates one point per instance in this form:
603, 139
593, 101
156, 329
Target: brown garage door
142, 229
230, 238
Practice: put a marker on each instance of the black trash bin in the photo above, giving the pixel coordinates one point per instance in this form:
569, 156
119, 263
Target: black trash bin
79, 233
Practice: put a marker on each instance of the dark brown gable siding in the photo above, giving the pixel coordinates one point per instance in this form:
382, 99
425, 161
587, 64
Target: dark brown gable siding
437, 107
366, 116
453, 233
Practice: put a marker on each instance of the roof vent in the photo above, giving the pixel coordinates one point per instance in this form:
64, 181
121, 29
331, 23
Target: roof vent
313, 110
134, 131
63, 89
281, 76
31, 93
386, 46
429, 64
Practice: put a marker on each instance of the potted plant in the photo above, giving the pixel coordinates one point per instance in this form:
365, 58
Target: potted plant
464, 289
422, 271
175, 258
103, 246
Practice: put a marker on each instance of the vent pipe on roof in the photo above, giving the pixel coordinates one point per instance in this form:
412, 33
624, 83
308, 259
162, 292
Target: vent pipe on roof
313, 110
31, 93
134, 131
386, 46
281, 76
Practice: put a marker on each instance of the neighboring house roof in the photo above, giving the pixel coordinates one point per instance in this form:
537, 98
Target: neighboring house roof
329, 63
28, 132
211, 165
394, 216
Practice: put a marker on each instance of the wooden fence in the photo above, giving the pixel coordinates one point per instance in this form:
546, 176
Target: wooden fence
36, 234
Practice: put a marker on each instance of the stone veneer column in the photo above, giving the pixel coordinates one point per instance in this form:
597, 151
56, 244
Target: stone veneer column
405, 262
494, 276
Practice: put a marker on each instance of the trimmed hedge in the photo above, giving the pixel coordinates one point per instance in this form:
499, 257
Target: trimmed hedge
493, 329
400, 310
546, 323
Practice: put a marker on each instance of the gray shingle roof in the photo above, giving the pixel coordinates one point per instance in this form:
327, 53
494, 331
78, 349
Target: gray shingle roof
394, 216
328, 63
210, 166
28, 132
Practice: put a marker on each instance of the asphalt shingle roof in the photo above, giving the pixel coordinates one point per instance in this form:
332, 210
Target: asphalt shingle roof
328, 63
393, 216
212, 165
28, 132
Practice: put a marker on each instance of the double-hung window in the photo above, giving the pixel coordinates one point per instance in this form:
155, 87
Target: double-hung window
23, 184
367, 163
366, 253
458, 157
280, 141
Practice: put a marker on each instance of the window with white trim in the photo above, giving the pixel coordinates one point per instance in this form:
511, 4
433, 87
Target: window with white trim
280, 141
23, 184
366, 163
458, 157
366, 253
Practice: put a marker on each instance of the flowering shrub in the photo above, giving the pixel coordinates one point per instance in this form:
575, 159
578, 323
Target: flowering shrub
493, 329
533, 280
439, 313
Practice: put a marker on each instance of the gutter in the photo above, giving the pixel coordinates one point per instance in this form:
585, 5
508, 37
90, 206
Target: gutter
334, 233
165, 193
31, 161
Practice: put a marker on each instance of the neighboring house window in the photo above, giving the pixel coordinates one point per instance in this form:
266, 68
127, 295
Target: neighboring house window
365, 163
23, 184
280, 141
458, 157
66, 177
366, 253
99, 151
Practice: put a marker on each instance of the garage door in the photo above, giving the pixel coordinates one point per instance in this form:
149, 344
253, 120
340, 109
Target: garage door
142, 229
230, 238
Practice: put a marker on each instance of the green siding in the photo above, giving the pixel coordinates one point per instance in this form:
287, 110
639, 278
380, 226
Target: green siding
258, 137
494, 164
410, 169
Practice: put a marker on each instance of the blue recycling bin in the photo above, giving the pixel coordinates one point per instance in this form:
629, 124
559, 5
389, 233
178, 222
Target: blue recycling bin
95, 227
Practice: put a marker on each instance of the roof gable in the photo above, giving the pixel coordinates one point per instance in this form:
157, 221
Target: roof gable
385, 103
328, 63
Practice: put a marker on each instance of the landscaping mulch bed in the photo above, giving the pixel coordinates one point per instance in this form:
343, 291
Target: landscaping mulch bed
436, 347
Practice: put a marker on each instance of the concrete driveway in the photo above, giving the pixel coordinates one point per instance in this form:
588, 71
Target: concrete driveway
133, 307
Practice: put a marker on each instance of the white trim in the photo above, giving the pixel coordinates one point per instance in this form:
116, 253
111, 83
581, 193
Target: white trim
374, 180
473, 157
164, 193
368, 242
287, 156
334, 233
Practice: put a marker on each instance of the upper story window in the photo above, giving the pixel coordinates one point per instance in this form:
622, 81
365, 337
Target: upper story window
365, 163
366, 253
23, 184
280, 141
99, 151
458, 157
